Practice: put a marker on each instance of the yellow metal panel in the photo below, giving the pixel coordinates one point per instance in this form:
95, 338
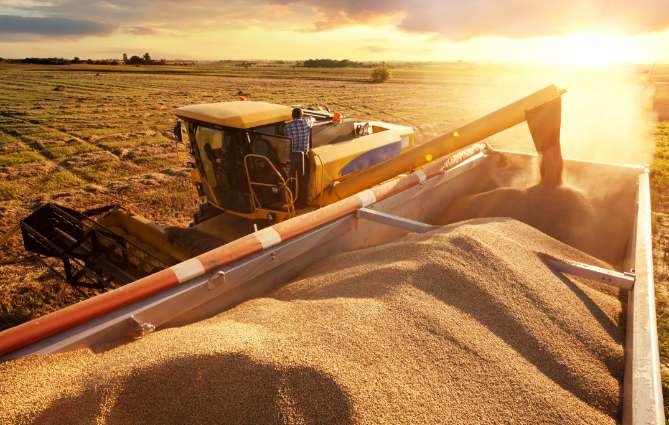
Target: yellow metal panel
240, 114
147, 235
329, 162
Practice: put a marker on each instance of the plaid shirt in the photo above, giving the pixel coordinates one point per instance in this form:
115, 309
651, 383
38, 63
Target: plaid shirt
298, 131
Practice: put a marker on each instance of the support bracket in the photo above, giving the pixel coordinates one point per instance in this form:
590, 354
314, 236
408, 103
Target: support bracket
393, 220
588, 271
217, 279
139, 328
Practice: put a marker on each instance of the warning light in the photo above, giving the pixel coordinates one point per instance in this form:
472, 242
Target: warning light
456, 134
242, 98
428, 157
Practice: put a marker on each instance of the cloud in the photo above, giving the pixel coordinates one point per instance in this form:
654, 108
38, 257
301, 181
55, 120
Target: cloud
141, 17
514, 18
375, 49
51, 26
139, 30
451, 19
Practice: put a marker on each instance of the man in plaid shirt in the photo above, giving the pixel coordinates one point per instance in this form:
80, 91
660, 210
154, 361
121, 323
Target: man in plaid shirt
298, 131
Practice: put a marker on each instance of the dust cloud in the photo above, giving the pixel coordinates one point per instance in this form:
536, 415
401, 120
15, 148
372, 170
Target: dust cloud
607, 112
607, 116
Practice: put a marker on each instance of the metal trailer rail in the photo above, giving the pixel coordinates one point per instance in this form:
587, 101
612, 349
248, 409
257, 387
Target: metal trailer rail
642, 393
211, 283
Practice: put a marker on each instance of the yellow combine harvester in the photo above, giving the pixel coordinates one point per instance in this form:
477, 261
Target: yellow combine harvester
248, 177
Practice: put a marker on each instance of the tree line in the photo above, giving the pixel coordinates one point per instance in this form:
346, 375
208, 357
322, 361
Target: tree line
133, 60
145, 59
62, 61
333, 63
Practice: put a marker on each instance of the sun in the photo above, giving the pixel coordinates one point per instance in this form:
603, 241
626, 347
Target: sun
594, 49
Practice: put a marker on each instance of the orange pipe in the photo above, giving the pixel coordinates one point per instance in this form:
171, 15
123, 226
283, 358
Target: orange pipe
36, 330
20, 336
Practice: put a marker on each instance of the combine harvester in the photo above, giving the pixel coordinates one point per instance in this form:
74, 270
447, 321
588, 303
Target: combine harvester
362, 184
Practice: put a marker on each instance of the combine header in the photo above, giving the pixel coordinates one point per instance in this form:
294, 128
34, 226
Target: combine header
92, 255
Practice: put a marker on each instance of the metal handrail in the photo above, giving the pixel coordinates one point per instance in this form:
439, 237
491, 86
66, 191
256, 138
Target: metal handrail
289, 199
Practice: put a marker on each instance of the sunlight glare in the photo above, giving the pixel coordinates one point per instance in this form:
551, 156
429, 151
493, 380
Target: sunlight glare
595, 49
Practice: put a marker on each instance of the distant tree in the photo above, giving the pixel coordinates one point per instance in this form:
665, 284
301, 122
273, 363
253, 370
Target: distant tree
76, 60
114, 62
89, 61
332, 63
125, 58
46, 61
135, 60
147, 59
380, 74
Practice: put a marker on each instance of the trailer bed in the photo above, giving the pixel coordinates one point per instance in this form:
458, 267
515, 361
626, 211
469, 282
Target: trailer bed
211, 283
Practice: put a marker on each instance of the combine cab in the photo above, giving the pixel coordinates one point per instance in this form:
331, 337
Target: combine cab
245, 167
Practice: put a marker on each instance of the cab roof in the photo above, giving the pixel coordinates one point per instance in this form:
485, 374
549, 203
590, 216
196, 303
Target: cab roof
239, 114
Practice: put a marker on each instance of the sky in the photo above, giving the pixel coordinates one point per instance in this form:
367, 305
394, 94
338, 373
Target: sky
593, 32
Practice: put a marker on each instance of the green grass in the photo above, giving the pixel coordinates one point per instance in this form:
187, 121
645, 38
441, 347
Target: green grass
18, 158
64, 151
10, 190
58, 180
6, 138
111, 144
104, 171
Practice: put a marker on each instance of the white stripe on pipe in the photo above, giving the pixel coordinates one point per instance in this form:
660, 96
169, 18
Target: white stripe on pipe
268, 237
421, 175
186, 270
367, 197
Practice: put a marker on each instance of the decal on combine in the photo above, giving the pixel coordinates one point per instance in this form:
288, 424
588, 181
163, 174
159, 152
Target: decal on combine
372, 157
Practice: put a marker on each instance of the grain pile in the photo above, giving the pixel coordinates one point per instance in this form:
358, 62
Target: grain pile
461, 325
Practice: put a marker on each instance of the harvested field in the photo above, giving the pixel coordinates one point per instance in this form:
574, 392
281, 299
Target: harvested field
461, 325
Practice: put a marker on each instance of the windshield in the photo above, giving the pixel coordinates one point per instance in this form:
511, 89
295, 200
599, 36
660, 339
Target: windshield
275, 129
210, 150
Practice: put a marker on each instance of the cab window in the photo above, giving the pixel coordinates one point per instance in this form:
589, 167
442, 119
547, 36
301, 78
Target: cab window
210, 149
275, 129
